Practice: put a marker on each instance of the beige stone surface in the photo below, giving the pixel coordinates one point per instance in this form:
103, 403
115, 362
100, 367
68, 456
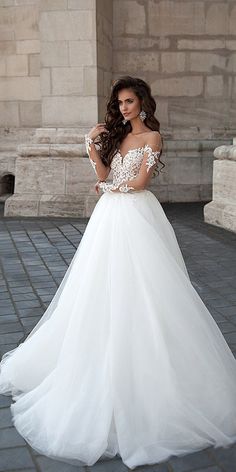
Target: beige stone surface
136, 61
67, 81
28, 46
128, 12
30, 113
34, 65
67, 25
19, 88
82, 53
176, 17
9, 114
69, 111
206, 62
217, 18
221, 211
17, 65
178, 86
173, 62
215, 86
54, 54
26, 21
201, 44
40, 176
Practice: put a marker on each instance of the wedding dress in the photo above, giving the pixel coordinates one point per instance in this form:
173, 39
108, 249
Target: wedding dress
126, 360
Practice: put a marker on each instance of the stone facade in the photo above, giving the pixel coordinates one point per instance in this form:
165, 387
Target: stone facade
59, 58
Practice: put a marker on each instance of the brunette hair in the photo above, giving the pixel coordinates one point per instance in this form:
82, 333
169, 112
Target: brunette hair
109, 142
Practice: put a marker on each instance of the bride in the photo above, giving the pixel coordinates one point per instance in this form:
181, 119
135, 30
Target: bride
126, 359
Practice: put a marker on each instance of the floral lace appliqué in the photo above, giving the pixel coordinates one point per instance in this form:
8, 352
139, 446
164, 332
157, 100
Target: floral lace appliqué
153, 156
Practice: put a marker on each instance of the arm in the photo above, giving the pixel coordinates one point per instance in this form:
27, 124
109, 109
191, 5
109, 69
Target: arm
99, 168
151, 155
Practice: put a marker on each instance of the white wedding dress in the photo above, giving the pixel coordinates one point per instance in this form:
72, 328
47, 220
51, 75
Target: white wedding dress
126, 359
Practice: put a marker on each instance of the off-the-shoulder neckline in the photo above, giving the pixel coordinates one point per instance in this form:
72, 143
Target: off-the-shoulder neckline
134, 149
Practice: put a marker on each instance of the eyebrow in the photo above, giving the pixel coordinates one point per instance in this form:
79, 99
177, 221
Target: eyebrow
130, 98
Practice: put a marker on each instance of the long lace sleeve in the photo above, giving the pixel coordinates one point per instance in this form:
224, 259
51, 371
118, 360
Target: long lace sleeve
88, 142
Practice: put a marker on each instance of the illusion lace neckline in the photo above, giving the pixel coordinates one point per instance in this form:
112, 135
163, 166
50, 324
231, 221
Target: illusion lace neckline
130, 150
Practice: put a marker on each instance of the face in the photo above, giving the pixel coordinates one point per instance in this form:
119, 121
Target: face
129, 104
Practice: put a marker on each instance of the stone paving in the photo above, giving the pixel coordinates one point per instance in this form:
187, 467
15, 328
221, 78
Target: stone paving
34, 255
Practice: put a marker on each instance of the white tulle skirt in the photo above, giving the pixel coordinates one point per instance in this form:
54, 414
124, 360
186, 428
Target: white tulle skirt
126, 359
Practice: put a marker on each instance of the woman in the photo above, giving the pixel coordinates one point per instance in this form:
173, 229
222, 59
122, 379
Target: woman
127, 359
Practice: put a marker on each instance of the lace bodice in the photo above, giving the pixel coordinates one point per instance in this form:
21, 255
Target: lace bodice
127, 167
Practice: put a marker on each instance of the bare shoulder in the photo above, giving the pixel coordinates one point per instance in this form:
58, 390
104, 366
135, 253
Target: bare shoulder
153, 137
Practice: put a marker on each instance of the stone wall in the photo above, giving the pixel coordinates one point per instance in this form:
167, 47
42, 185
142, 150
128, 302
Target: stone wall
20, 99
186, 50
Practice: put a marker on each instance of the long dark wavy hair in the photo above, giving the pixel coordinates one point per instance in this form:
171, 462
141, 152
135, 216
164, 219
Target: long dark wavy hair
109, 143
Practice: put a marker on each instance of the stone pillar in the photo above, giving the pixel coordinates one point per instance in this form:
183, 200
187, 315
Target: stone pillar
53, 174
221, 211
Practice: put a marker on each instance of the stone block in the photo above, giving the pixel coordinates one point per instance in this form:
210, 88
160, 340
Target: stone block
82, 53
128, 22
206, 62
184, 193
30, 113
224, 178
26, 22
47, 5
198, 112
104, 56
145, 43
22, 205
9, 114
172, 62
81, 5
79, 175
184, 170
217, 18
3, 67
45, 81
232, 63
7, 47
17, 65
28, 46
39, 176
90, 80
20, 88
68, 25
54, 54
69, 111
62, 206
230, 44
67, 81
34, 64
201, 44
136, 61
178, 86
214, 86
168, 17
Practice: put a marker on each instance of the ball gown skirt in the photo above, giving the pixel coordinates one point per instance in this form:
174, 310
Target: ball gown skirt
126, 359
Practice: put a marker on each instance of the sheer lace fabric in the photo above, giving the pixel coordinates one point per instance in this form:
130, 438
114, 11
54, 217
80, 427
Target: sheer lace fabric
127, 167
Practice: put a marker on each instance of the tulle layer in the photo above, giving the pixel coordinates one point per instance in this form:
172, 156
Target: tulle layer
127, 358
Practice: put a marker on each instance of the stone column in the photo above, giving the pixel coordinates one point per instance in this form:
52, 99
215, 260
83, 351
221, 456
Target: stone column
53, 175
221, 211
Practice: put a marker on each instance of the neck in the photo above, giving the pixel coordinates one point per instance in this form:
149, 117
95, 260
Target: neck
138, 126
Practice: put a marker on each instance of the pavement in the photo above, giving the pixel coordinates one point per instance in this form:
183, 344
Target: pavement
34, 255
